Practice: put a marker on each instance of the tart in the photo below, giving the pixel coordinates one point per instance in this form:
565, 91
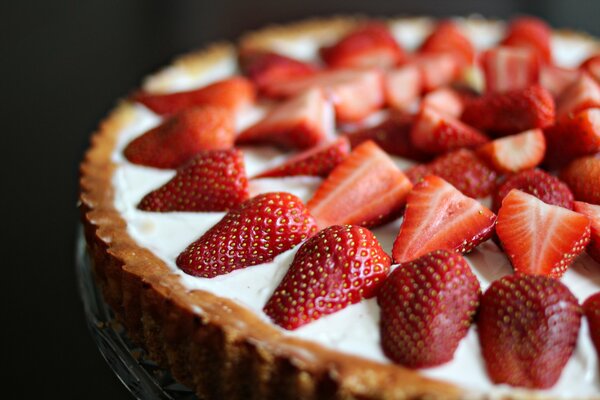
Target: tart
434, 110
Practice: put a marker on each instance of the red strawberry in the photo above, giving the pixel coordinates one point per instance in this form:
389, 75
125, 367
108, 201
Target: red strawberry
573, 136
402, 86
435, 132
556, 79
178, 138
213, 180
365, 189
509, 68
318, 161
463, 169
531, 33
539, 238
444, 100
301, 122
437, 69
447, 37
582, 94
591, 211
592, 67
438, 216
233, 93
427, 306
528, 327
339, 266
255, 233
591, 308
538, 183
516, 152
582, 175
511, 112
370, 45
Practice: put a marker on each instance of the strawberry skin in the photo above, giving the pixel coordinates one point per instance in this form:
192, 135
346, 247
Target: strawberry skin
591, 211
435, 132
180, 137
582, 175
427, 306
531, 33
366, 189
515, 153
528, 327
337, 267
539, 238
582, 94
592, 67
461, 168
318, 161
591, 308
213, 180
438, 216
232, 93
448, 38
255, 233
509, 68
511, 112
402, 86
371, 45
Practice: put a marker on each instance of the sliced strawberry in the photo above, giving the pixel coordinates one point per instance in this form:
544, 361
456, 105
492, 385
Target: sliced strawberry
365, 189
556, 79
255, 233
434, 132
301, 122
538, 183
339, 266
582, 175
402, 86
447, 37
531, 33
509, 68
214, 180
370, 45
539, 238
438, 216
528, 327
178, 138
463, 169
427, 306
437, 69
592, 211
592, 67
515, 153
573, 136
444, 100
511, 112
318, 161
591, 308
233, 93
582, 94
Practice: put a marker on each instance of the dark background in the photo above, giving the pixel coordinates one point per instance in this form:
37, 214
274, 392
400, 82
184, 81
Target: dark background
63, 65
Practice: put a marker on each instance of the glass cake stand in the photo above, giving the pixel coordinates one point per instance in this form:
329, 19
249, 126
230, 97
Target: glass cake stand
142, 377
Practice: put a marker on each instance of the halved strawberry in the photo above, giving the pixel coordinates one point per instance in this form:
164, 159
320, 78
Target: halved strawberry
444, 100
233, 93
427, 306
437, 69
591, 308
509, 68
213, 180
463, 169
370, 45
337, 267
318, 161
582, 94
255, 233
592, 211
582, 175
301, 122
557, 79
365, 189
538, 183
592, 67
528, 327
435, 132
447, 37
532, 33
511, 112
539, 238
438, 216
515, 153
402, 86
178, 138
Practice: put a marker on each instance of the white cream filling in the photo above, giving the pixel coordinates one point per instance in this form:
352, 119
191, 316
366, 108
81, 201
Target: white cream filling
355, 329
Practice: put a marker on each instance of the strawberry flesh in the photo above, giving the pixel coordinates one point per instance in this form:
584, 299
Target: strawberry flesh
531, 33
580, 95
556, 79
444, 100
582, 175
437, 69
509, 68
592, 67
402, 86
592, 211
515, 153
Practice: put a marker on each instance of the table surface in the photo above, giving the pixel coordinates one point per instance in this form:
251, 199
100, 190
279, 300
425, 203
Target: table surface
64, 65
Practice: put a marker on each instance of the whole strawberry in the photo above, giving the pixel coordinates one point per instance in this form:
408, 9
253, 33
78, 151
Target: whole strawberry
591, 308
427, 306
528, 327
256, 232
212, 181
337, 267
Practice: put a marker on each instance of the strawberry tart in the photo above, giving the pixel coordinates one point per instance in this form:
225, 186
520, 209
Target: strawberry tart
362, 209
